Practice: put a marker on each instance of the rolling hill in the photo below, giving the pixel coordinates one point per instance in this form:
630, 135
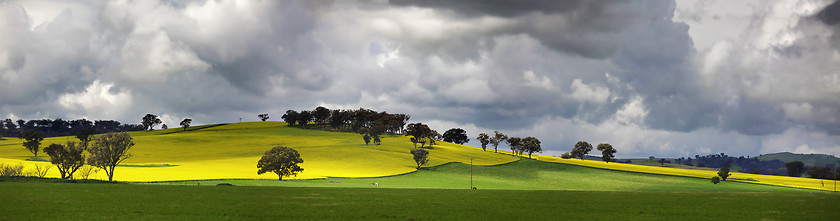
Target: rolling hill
809, 159
229, 152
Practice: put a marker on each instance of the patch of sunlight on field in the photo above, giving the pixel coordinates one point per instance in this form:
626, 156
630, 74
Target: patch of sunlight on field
797, 182
231, 151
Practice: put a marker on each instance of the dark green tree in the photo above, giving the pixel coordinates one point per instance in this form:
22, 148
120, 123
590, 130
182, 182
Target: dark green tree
67, 158
281, 160
581, 149
33, 141
531, 145
186, 123
149, 121
456, 135
164, 127
723, 173
716, 180
303, 118
263, 117
420, 133
290, 117
795, 168
607, 151
514, 143
366, 137
321, 114
663, 161
421, 157
85, 135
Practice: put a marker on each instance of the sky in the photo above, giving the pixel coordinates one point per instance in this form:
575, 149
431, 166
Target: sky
652, 78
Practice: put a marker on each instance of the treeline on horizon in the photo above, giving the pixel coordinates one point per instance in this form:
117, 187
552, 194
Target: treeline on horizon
346, 120
60, 127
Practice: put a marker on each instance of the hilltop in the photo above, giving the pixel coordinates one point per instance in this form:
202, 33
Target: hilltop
809, 159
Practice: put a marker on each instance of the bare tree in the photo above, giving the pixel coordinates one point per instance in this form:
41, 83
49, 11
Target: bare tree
109, 150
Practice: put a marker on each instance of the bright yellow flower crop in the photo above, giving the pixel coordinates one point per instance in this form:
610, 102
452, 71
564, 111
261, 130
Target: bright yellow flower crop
232, 151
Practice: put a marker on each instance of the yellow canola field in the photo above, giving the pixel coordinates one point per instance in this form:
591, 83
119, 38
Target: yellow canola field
232, 151
798, 182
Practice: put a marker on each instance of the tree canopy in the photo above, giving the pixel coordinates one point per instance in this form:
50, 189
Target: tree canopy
484, 139
421, 157
607, 151
186, 123
263, 117
531, 145
456, 135
581, 149
33, 141
67, 158
497, 139
795, 168
109, 150
150, 121
280, 160
723, 173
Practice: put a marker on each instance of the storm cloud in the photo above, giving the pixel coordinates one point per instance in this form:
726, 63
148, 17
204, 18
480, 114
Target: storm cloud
651, 77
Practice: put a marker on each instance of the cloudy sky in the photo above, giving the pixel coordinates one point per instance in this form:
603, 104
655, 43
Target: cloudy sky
658, 78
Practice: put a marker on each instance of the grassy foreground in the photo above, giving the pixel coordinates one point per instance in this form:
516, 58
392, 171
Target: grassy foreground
67, 201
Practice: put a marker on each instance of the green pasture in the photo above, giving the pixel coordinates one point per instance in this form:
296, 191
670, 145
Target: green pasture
81, 201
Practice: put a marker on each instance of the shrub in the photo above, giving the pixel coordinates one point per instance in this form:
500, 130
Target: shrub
41, 170
566, 155
11, 170
716, 179
87, 170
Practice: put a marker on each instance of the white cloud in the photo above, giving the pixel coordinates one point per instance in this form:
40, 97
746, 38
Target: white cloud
589, 92
98, 101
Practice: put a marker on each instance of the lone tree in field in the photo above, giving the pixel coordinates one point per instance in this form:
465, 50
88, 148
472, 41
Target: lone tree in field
456, 135
484, 139
716, 180
150, 120
663, 161
531, 145
67, 158
795, 168
421, 157
85, 135
109, 150
723, 173
33, 141
263, 117
607, 151
281, 160
581, 149
497, 139
186, 123
164, 127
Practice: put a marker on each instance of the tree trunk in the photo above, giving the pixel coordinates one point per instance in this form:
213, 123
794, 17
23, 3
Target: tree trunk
281, 177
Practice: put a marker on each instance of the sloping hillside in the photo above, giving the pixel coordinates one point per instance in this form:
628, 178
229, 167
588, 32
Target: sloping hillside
809, 159
231, 152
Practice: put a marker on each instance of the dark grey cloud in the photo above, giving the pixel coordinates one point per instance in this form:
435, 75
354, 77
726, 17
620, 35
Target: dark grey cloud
830, 15
623, 71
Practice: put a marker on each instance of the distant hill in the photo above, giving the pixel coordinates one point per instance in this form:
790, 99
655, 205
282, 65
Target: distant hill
809, 159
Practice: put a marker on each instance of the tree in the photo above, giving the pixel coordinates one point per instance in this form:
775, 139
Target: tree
85, 135
795, 168
651, 158
290, 117
33, 141
303, 118
321, 114
514, 143
456, 135
566, 155
186, 123
421, 157
109, 150
420, 133
149, 121
497, 139
716, 180
281, 160
366, 138
724, 173
581, 149
607, 151
376, 139
263, 117
531, 145
67, 158
164, 127
484, 139
663, 161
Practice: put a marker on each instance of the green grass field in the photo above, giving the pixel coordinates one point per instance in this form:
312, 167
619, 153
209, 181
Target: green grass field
520, 175
74, 201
